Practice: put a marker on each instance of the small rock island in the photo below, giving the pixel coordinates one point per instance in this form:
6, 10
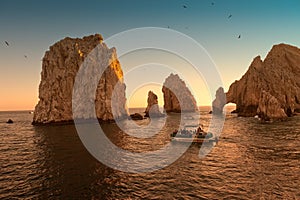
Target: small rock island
152, 109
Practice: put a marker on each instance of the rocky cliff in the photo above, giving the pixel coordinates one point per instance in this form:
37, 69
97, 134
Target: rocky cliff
270, 88
177, 97
60, 66
152, 106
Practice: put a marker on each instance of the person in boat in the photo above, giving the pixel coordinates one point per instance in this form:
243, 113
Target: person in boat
209, 135
184, 131
174, 133
200, 132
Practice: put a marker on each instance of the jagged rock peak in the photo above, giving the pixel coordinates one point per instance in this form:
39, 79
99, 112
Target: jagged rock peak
277, 77
177, 96
59, 68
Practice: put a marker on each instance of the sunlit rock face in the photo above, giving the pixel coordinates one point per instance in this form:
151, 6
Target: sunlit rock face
60, 66
152, 106
270, 88
177, 97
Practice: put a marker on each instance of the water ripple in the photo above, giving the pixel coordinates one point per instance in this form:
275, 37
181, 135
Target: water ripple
251, 161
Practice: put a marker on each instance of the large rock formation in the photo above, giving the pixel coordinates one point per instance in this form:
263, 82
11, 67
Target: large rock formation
177, 97
270, 88
60, 66
152, 106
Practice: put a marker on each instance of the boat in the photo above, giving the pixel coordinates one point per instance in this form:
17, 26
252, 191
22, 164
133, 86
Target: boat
193, 134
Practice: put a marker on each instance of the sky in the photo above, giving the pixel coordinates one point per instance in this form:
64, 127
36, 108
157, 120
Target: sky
31, 27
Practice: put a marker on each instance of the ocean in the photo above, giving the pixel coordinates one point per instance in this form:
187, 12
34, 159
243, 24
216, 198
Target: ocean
252, 160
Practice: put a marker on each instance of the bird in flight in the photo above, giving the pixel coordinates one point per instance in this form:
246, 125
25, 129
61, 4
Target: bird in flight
239, 37
212, 3
184, 6
229, 16
6, 43
25, 56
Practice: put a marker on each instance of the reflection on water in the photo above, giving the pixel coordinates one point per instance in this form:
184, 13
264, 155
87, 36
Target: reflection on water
251, 161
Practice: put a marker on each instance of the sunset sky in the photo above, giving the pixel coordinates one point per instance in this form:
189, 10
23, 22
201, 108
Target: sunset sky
30, 27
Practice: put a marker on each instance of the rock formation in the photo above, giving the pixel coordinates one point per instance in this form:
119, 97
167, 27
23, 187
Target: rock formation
270, 88
152, 106
220, 101
136, 116
60, 66
177, 97
9, 121
269, 107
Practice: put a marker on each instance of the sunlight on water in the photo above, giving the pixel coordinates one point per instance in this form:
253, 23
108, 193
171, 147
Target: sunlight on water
251, 161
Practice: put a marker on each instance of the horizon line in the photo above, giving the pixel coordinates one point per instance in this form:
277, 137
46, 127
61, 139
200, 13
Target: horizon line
32, 110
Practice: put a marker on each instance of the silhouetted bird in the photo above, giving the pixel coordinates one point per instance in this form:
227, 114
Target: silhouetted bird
212, 3
229, 16
6, 43
25, 56
239, 37
184, 6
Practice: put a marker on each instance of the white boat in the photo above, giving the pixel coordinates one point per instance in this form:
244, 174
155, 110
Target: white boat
194, 140
193, 134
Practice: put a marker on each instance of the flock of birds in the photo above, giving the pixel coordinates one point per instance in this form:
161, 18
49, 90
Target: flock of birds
7, 44
184, 6
212, 3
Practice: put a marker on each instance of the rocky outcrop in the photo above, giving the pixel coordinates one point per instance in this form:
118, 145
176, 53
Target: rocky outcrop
220, 101
60, 66
269, 108
152, 106
136, 116
177, 97
270, 86
9, 121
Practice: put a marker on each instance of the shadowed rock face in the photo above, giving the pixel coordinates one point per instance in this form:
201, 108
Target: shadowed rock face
269, 107
270, 88
152, 106
219, 102
60, 66
177, 97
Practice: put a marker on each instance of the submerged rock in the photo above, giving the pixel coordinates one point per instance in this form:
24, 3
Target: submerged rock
60, 66
10, 121
270, 88
177, 97
152, 106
